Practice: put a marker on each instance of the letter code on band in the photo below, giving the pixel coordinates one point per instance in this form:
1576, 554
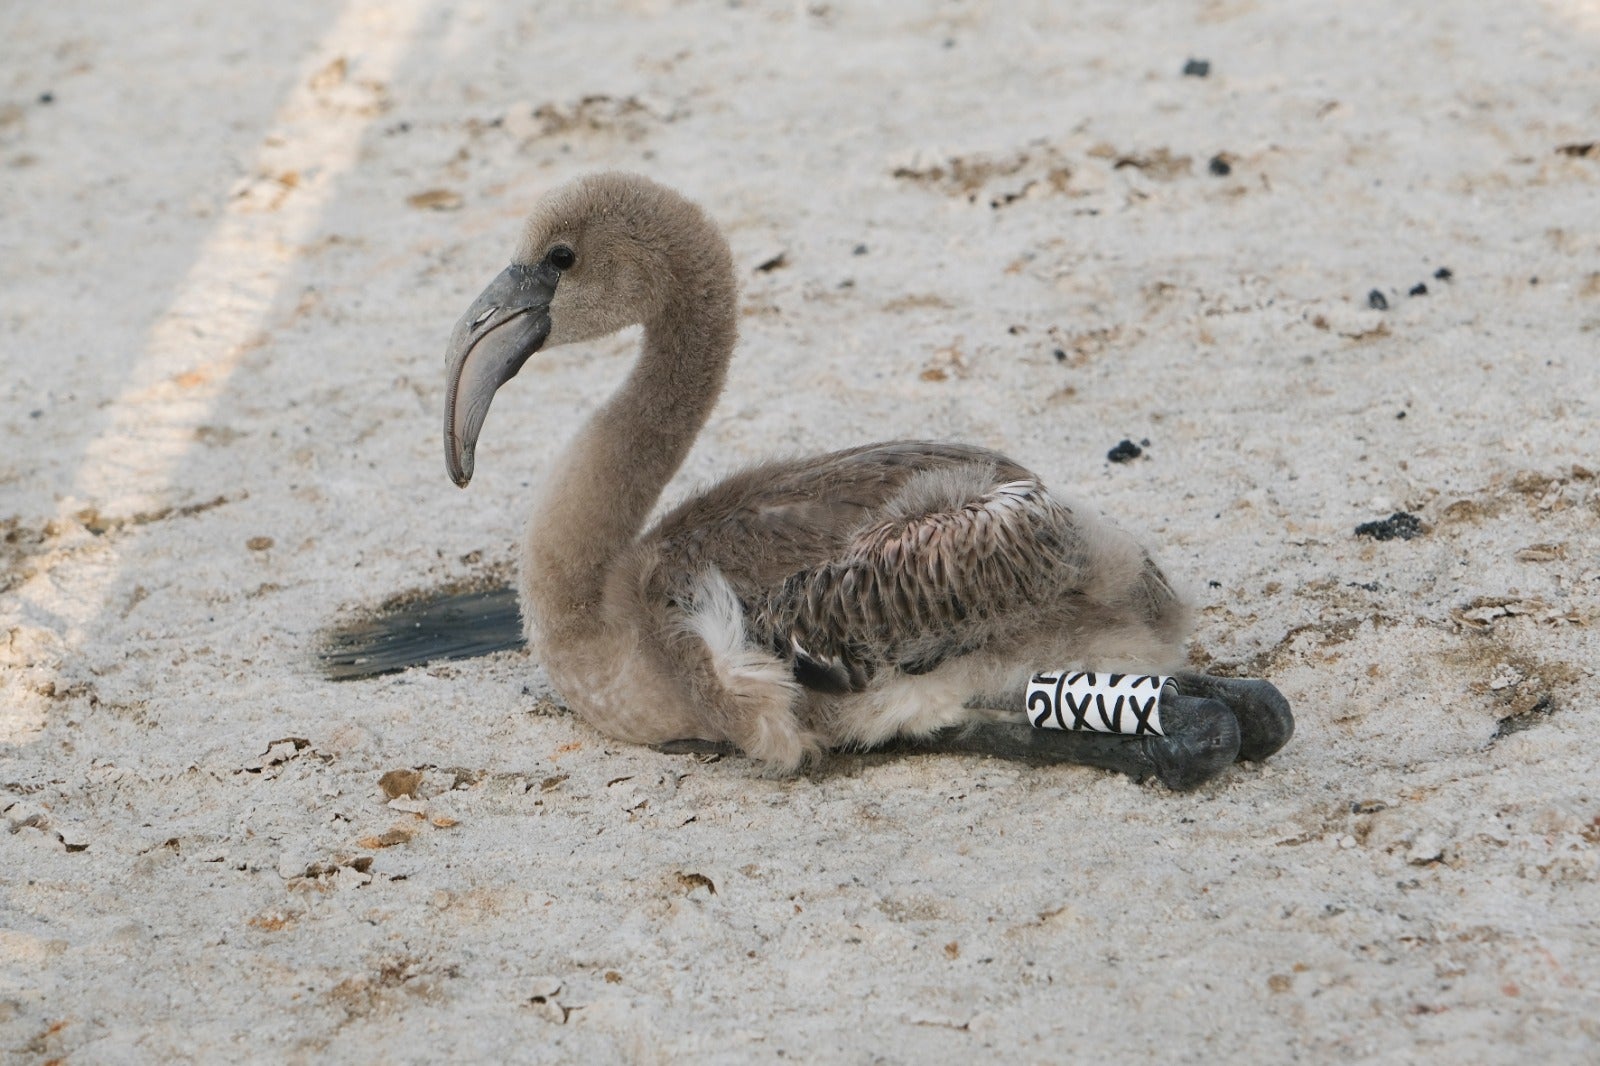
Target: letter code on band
1104, 703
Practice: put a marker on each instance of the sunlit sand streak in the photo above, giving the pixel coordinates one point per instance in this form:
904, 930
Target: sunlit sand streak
220, 314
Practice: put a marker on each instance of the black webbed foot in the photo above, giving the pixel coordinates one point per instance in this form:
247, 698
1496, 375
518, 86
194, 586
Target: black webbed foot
1265, 721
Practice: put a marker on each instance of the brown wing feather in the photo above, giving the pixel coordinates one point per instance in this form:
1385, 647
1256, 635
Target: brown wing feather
912, 591
888, 556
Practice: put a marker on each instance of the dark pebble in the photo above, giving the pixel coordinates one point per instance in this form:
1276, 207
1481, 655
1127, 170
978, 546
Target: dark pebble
1061, 355
1399, 526
859, 249
1419, 289
1125, 452
1197, 68
1377, 301
47, 98
1213, 584
1516, 723
1219, 166
1444, 273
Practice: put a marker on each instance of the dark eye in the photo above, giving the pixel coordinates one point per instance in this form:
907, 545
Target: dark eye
561, 257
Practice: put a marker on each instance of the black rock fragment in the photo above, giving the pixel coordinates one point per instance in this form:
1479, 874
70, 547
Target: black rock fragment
1219, 166
1444, 273
1516, 723
1197, 68
1377, 301
1419, 289
1401, 525
1125, 452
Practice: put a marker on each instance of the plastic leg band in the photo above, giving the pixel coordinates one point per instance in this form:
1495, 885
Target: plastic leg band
1128, 704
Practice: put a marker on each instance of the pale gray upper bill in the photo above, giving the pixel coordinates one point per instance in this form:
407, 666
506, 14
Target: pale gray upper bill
504, 326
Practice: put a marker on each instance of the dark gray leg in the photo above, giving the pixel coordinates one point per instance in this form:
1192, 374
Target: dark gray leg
1265, 720
1202, 740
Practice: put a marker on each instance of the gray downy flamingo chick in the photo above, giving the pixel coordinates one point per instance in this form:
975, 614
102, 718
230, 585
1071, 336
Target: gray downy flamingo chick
903, 593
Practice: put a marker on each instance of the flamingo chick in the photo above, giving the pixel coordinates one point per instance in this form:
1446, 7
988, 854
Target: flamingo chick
902, 592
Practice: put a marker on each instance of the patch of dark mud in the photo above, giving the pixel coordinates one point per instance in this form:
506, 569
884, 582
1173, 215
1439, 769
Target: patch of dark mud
1000, 180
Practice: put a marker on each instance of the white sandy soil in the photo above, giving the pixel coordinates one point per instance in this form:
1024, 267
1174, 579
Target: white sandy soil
233, 239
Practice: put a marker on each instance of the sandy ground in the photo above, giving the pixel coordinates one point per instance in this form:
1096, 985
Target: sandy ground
233, 239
